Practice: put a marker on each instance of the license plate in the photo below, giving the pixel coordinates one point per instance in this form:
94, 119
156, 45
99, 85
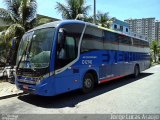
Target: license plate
25, 87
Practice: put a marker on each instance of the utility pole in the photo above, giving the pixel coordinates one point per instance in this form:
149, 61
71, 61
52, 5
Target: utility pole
94, 19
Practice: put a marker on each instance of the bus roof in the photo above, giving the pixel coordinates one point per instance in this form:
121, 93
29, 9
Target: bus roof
57, 23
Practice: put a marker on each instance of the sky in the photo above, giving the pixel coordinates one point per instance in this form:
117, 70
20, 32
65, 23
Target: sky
121, 9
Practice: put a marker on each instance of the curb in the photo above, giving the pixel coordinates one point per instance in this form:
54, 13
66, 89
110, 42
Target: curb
11, 95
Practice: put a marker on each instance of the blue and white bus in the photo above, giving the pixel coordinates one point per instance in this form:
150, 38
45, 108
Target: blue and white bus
62, 56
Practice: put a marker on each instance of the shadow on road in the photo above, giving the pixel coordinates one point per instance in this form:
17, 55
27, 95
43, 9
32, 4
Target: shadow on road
71, 99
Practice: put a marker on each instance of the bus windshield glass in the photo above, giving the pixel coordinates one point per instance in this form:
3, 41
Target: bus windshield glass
35, 49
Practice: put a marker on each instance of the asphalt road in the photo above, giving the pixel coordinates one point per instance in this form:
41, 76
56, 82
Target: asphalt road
126, 95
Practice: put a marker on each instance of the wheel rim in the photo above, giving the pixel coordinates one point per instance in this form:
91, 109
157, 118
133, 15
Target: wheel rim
88, 83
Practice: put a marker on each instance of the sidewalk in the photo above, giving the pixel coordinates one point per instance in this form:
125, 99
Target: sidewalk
8, 90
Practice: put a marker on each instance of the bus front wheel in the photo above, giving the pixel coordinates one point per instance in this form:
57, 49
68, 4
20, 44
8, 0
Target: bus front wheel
88, 83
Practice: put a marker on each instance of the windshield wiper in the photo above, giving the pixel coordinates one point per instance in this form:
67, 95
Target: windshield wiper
28, 57
25, 50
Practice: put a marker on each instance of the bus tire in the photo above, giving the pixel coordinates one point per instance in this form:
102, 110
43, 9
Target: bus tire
136, 71
88, 83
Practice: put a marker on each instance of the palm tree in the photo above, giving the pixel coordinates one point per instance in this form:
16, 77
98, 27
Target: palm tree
154, 47
2, 49
21, 15
104, 20
2, 28
72, 8
89, 19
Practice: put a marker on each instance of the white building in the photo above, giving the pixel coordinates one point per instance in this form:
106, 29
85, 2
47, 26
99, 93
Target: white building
144, 26
157, 31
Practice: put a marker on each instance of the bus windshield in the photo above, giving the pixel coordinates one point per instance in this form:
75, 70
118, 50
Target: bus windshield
35, 49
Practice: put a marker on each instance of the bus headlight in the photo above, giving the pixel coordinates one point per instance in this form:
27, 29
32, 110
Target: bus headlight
38, 80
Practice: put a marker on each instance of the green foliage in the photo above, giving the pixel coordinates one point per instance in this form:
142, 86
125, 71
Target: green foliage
155, 49
72, 8
2, 28
104, 20
88, 19
15, 30
2, 49
21, 14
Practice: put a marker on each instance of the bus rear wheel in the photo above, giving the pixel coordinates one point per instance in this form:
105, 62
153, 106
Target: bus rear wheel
136, 71
88, 83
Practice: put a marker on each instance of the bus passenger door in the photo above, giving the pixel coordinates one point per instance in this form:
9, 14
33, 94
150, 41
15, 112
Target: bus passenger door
66, 71
67, 76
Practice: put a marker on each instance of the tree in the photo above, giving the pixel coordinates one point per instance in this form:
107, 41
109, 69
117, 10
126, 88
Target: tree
154, 47
21, 14
2, 49
72, 8
89, 19
2, 28
104, 20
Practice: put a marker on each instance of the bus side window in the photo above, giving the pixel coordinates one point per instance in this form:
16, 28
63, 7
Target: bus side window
92, 41
67, 52
70, 46
110, 40
67, 44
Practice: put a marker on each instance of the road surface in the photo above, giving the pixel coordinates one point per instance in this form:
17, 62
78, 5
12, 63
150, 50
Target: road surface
126, 95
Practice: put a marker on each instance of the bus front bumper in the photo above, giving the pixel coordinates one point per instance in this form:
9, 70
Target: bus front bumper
37, 89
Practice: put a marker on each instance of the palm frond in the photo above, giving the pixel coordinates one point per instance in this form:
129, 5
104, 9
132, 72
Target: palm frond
86, 9
103, 19
8, 4
12, 7
2, 28
27, 10
82, 9
22, 11
64, 10
30, 25
6, 15
72, 8
88, 19
2, 36
23, 14
32, 7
